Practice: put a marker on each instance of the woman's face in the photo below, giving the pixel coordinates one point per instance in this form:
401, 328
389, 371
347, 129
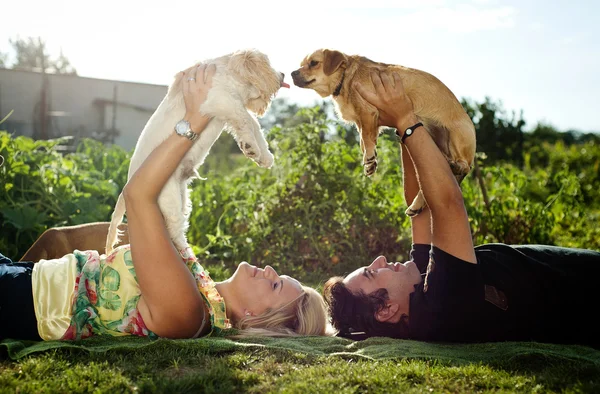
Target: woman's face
259, 290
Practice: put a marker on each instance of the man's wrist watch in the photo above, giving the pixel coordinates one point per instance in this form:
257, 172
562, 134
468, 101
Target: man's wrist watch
184, 129
409, 131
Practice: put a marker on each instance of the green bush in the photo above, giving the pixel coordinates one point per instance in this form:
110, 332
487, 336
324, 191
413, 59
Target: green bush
43, 185
314, 213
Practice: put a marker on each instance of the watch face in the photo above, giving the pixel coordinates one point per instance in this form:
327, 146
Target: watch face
182, 127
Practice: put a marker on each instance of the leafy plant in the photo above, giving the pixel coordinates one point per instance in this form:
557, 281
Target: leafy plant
313, 214
52, 183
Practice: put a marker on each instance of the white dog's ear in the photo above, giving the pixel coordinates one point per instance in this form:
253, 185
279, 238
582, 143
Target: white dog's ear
253, 93
251, 66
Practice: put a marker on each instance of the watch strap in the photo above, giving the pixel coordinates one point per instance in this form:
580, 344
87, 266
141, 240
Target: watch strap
190, 135
408, 132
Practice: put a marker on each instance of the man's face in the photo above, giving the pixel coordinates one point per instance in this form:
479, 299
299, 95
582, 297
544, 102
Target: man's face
398, 279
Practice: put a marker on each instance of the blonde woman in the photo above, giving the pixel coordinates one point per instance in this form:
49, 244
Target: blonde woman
148, 288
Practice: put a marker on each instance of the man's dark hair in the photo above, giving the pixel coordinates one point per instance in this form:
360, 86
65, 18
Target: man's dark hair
353, 313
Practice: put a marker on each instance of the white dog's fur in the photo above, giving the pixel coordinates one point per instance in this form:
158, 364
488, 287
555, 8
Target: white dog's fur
244, 81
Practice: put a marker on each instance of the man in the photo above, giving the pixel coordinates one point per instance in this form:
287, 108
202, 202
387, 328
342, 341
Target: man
451, 291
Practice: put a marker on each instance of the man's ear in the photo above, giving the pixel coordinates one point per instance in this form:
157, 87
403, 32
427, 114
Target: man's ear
387, 313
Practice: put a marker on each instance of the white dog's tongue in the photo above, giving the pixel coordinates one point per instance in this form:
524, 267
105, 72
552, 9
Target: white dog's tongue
285, 85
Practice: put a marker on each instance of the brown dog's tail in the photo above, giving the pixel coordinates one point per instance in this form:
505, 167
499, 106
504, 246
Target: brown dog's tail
112, 238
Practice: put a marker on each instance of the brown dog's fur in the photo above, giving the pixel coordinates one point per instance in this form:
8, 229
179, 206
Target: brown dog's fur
332, 73
59, 241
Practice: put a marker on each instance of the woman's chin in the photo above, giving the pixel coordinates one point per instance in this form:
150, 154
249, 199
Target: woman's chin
243, 269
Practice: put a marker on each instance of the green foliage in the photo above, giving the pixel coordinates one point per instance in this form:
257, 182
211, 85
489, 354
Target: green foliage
580, 160
313, 214
499, 136
44, 185
546, 133
502, 138
554, 200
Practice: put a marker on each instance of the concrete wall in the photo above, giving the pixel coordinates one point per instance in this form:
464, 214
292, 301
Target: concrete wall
76, 106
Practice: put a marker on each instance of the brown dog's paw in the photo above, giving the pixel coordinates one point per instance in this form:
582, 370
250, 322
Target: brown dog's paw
460, 169
370, 164
370, 168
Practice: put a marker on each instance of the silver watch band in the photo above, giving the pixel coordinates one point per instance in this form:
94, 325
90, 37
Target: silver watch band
190, 135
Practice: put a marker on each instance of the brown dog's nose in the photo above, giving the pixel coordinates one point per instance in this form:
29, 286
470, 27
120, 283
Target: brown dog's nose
295, 73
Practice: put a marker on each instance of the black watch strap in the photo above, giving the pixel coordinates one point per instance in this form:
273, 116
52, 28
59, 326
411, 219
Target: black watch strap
408, 132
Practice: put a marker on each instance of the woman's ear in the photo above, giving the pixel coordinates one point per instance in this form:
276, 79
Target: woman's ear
387, 313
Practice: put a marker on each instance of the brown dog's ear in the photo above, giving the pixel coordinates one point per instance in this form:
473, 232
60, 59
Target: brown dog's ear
332, 61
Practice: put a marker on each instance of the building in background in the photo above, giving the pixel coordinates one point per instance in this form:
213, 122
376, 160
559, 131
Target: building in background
53, 105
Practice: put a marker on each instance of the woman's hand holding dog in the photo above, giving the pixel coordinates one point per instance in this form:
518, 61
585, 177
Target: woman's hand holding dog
395, 107
197, 82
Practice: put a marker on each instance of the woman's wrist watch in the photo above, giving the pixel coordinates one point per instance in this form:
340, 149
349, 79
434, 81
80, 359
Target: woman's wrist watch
184, 129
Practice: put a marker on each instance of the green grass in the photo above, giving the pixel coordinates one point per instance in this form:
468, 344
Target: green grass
315, 204
194, 366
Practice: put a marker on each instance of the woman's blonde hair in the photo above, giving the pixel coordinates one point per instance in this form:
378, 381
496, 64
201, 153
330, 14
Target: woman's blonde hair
305, 315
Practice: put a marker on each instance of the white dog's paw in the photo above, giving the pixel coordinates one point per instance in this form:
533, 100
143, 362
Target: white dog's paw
249, 150
266, 160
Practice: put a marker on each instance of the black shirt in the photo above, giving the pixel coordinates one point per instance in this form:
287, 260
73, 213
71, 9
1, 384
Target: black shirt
514, 293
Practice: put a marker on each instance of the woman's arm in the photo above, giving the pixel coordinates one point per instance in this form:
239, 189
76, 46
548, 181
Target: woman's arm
170, 303
451, 231
420, 224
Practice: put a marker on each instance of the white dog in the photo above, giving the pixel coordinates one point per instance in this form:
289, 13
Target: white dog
244, 81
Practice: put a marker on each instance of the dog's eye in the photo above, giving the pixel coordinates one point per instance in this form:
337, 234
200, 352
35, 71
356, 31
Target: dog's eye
313, 63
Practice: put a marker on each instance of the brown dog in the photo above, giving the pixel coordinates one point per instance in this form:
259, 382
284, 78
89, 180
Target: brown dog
59, 241
332, 73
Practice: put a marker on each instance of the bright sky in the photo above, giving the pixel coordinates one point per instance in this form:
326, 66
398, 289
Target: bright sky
542, 57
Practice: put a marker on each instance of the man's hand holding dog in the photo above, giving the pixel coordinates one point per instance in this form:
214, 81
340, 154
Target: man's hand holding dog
395, 107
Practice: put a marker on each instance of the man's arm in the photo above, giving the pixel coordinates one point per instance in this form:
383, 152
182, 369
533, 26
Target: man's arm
420, 224
451, 231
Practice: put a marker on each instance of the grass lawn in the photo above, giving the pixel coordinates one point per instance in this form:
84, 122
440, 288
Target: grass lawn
302, 365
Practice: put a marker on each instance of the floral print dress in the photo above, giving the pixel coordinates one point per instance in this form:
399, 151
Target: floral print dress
106, 295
